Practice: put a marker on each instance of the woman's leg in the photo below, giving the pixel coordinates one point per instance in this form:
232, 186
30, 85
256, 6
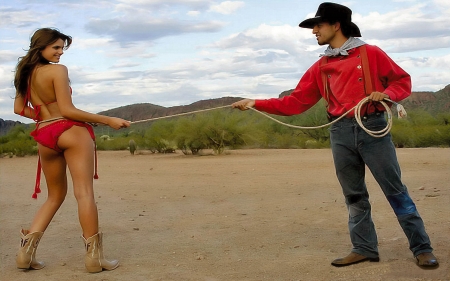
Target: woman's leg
54, 168
79, 154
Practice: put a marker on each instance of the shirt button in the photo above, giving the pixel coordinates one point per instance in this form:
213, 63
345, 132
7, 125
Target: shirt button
359, 67
329, 76
359, 79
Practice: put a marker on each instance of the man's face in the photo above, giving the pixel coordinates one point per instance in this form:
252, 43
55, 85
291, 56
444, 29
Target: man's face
324, 32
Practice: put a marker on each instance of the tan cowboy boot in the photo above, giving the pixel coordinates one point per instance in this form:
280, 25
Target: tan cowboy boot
94, 260
26, 257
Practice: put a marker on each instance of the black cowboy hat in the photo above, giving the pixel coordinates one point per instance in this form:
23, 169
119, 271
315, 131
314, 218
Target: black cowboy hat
332, 13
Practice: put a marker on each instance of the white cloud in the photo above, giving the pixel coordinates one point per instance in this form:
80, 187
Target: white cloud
227, 7
17, 17
406, 45
193, 13
166, 4
406, 23
129, 31
444, 4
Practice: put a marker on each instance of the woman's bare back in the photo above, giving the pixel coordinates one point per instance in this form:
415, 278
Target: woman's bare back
43, 92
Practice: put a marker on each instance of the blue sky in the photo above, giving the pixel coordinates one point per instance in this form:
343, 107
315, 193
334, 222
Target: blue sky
176, 52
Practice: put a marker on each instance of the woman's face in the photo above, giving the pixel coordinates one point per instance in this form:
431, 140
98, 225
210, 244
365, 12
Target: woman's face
54, 51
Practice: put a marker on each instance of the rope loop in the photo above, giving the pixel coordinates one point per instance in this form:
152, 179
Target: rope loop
376, 134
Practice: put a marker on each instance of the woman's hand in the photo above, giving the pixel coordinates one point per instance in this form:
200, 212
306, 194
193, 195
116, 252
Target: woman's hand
118, 123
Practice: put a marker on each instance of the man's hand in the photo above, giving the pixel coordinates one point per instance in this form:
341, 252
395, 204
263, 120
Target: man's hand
377, 96
244, 104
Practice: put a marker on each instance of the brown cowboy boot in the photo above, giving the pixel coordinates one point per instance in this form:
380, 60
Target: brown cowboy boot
427, 260
353, 258
26, 257
94, 260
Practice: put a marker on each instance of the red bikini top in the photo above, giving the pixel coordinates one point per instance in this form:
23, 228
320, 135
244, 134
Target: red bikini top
37, 108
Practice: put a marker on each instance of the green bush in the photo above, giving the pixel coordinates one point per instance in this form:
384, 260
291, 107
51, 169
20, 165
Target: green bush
18, 142
160, 137
112, 144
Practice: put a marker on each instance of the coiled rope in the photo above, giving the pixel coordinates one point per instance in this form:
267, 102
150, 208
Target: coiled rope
357, 112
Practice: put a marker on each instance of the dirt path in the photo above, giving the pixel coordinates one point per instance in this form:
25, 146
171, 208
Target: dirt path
248, 215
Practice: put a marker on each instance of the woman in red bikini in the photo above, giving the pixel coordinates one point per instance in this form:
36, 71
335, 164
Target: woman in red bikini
65, 138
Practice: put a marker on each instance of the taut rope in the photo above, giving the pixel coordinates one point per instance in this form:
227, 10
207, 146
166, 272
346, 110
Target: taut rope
356, 109
179, 114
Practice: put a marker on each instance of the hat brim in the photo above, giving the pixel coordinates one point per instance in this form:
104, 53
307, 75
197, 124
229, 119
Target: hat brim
310, 23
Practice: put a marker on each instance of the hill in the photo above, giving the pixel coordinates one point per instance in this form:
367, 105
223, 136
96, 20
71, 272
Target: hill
429, 101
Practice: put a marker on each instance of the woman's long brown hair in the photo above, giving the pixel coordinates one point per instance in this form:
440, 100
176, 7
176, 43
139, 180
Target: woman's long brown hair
39, 41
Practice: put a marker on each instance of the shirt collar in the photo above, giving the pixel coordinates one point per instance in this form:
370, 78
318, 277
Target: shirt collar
351, 43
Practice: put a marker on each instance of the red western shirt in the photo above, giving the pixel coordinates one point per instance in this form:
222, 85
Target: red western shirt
345, 80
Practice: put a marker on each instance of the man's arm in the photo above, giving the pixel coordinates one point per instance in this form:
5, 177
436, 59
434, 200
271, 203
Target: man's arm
389, 78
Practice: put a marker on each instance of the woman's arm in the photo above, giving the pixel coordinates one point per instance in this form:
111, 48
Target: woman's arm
69, 111
21, 109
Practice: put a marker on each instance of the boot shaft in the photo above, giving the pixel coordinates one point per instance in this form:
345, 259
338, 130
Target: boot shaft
26, 257
94, 260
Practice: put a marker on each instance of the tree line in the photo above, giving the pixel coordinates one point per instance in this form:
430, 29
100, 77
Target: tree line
232, 129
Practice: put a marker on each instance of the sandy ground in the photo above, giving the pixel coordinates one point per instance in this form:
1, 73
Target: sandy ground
246, 215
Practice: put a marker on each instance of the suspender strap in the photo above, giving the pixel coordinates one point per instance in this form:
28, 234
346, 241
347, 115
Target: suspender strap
365, 66
324, 61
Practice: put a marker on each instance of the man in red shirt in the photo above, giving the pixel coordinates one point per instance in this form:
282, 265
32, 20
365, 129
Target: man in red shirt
339, 78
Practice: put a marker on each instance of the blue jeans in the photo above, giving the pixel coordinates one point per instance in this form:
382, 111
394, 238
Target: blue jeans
352, 149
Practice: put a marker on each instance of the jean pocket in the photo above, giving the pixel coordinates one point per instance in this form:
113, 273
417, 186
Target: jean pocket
375, 124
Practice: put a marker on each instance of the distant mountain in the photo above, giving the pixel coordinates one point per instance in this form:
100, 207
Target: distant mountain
429, 101
6, 125
433, 102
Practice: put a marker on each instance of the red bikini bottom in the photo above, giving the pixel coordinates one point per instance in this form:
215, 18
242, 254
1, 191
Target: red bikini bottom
48, 136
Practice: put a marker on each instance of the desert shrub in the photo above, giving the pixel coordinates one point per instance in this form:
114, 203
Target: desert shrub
443, 119
420, 117
132, 146
429, 136
18, 142
421, 129
160, 137
20, 147
216, 130
113, 144
403, 136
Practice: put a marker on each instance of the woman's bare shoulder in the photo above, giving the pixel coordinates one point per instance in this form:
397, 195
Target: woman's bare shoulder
49, 68
57, 67
52, 71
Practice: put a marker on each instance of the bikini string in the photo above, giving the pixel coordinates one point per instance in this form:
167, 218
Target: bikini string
95, 160
37, 188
